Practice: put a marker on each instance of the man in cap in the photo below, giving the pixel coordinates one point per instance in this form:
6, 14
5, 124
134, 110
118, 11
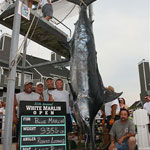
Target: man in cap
112, 109
39, 89
50, 87
27, 95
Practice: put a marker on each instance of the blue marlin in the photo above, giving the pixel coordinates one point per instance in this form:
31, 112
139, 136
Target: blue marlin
87, 86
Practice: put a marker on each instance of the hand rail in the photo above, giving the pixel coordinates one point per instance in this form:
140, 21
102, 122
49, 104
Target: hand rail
63, 24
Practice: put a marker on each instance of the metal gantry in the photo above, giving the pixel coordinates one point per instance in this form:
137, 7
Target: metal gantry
45, 34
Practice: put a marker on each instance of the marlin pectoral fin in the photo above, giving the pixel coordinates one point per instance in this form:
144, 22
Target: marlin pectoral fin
110, 96
71, 89
92, 21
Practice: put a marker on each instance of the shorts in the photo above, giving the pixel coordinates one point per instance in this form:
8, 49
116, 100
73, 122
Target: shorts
123, 146
47, 10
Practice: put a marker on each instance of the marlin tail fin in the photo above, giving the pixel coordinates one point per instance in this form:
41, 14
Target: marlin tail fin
110, 96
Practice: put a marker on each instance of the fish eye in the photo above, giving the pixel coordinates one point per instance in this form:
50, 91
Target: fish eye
87, 119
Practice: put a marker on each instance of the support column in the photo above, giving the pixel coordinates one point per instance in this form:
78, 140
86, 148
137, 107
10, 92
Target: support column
11, 81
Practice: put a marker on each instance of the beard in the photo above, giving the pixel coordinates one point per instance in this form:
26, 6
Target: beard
124, 119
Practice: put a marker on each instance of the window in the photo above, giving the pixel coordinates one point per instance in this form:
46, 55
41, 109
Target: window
1, 71
2, 39
27, 77
5, 41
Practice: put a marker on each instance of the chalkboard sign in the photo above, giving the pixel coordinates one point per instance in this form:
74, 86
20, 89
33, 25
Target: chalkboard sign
42, 125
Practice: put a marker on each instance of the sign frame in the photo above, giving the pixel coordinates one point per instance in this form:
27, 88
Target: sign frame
42, 125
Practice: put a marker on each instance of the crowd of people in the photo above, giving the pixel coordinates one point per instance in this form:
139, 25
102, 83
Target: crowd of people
115, 113
53, 93
119, 123
120, 127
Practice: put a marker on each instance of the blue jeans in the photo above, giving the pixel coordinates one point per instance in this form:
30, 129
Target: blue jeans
123, 146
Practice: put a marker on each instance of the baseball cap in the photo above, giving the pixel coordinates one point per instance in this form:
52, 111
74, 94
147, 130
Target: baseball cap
49, 78
28, 82
39, 83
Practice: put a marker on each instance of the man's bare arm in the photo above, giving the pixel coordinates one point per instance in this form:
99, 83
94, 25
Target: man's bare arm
112, 145
125, 137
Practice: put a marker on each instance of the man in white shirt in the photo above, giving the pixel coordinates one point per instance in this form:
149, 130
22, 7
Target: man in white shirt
61, 95
39, 89
147, 104
27, 95
50, 87
147, 108
47, 9
112, 110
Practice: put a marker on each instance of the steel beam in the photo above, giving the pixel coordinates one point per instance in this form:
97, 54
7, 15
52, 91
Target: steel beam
47, 63
6, 63
11, 81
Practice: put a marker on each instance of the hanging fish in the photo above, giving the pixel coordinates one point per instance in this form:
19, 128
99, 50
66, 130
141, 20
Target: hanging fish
87, 86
